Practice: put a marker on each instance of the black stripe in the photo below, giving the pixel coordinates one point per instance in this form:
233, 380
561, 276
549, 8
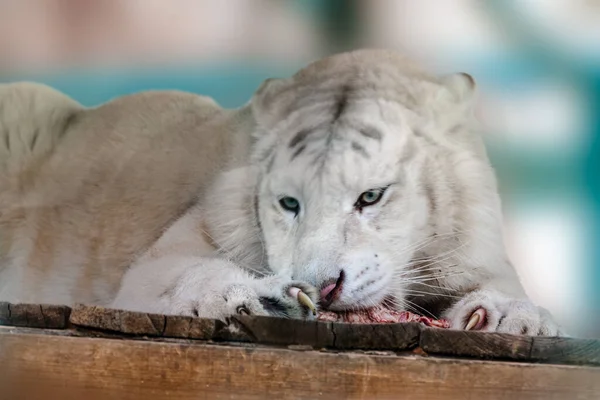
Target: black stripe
341, 102
36, 134
258, 224
270, 163
298, 151
299, 137
370, 132
360, 149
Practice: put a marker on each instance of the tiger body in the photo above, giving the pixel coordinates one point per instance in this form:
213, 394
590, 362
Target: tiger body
361, 180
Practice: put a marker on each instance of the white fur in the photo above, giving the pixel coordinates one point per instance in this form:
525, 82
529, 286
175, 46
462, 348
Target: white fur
432, 244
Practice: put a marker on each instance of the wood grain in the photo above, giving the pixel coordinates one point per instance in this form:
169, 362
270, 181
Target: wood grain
142, 324
376, 336
476, 344
566, 351
265, 330
34, 315
60, 367
102, 322
284, 331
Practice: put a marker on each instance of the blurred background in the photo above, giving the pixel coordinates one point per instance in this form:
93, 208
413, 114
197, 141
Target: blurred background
537, 63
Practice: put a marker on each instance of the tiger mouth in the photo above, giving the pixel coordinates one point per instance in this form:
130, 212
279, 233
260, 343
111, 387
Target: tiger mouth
383, 313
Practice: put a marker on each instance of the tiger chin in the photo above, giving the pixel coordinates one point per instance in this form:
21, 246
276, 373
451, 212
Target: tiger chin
362, 180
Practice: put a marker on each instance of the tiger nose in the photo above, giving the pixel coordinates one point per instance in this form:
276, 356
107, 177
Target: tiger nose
327, 289
331, 291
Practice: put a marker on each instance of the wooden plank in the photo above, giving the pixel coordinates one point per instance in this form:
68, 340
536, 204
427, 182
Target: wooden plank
282, 331
376, 336
476, 344
61, 367
265, 330
34, 315
142, 324
337, 336
511, 347
566, 351
98, 321
117, 320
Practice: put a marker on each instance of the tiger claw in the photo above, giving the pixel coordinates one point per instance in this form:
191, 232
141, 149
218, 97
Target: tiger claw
476, 319
307, 302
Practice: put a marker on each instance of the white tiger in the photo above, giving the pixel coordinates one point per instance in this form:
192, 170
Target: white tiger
360, 181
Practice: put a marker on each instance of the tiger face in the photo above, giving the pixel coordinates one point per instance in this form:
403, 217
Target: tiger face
343, 198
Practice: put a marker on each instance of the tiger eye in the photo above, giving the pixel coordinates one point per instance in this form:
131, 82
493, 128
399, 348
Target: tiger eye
369, 198
290, 204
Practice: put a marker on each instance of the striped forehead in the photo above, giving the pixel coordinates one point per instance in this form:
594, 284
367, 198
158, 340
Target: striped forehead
340, 120
319, 141
350, 155
336, 105
348, 165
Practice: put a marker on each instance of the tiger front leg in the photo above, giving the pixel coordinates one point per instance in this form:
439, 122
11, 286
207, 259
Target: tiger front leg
211, 288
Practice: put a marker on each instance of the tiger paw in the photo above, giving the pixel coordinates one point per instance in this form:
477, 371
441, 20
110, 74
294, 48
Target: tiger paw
491, 311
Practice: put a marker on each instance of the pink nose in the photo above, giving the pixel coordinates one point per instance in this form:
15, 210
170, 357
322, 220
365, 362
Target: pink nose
331, 292
327, 289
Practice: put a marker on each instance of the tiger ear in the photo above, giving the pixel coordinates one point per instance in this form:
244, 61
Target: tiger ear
270, 101
461, 87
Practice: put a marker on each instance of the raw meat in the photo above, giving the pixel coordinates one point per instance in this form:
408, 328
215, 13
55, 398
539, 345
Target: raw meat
379, 315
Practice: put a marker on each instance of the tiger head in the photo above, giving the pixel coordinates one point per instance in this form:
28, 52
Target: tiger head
362, 159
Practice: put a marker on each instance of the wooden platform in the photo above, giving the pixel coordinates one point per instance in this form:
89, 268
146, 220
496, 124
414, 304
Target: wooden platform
53, 352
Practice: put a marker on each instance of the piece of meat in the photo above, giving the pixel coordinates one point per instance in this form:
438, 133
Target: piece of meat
380, 315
